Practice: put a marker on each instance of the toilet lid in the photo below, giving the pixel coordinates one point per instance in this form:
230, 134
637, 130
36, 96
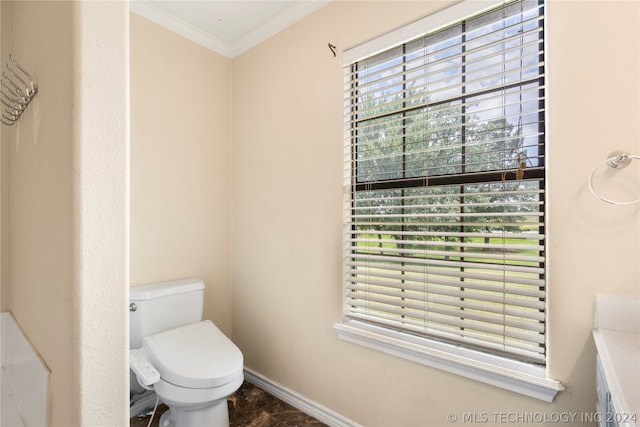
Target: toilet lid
194, 356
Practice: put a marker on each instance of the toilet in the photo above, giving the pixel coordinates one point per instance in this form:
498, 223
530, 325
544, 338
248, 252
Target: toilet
199, 366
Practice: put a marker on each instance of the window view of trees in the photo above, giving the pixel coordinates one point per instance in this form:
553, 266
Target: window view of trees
424, 146
447, 185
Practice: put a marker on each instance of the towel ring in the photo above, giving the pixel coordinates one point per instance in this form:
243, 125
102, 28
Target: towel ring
616, 160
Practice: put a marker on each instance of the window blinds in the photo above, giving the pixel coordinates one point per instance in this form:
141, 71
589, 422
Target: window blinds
444, 167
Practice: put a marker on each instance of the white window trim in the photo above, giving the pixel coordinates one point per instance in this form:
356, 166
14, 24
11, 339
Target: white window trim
519, 377
414, 30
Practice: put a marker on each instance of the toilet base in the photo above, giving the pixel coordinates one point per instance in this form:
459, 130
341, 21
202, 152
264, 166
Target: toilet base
216, 415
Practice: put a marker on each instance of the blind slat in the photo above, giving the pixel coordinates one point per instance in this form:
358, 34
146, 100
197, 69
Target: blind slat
454, 42
458, 293
507, 281
478, 322
456, 333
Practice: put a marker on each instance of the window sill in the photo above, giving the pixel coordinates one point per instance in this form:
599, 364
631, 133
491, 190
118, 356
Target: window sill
515, 376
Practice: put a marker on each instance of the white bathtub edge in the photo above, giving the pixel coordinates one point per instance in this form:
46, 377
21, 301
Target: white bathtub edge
24, 372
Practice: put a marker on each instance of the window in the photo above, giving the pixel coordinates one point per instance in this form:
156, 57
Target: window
445, 191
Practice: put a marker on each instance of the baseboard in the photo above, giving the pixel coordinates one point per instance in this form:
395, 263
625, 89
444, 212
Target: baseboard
299, 401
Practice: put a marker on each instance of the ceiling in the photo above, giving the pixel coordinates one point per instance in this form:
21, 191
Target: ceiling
228, 27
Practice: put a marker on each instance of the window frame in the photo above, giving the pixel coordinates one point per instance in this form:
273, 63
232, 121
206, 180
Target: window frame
508, 373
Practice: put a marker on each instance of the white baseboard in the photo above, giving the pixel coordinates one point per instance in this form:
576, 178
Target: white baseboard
299, 401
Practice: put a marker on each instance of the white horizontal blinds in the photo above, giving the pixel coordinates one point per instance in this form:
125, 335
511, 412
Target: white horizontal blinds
458, 262
445, 170
466, 99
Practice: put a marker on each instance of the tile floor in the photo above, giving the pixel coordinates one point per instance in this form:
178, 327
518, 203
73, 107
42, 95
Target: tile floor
251, 406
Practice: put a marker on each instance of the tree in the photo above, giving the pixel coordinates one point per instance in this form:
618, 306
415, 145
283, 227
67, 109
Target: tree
402, 137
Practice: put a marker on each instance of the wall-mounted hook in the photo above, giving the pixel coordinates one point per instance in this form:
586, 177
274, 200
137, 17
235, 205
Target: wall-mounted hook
332, 48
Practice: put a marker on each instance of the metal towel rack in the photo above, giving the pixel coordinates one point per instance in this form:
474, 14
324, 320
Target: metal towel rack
617, 160
17, 89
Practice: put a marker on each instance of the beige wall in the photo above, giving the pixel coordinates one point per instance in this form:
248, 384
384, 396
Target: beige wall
5, 134
285, 184
64, 173
287, 189
64, 222
39, 274
64, 190
594, 111
180, 164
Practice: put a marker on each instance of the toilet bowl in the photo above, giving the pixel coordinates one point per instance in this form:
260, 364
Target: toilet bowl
198, 366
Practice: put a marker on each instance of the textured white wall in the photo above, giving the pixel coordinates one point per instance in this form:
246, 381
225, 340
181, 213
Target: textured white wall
101, 208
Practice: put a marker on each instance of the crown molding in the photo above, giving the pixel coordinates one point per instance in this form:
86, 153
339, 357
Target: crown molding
290, 16
171, 22
296, 12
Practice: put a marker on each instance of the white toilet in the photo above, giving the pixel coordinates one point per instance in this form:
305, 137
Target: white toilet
199, 366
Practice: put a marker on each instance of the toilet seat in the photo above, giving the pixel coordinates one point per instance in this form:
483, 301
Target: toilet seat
198, 355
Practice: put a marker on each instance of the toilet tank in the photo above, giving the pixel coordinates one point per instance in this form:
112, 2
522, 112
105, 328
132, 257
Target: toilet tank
157, 307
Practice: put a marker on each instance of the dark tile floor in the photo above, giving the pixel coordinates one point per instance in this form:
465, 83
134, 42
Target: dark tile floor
251, 406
